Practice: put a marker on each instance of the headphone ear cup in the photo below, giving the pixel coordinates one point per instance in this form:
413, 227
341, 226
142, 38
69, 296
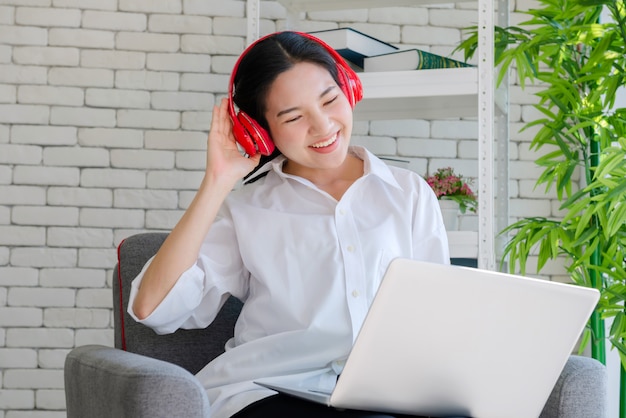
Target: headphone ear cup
242, 137
256, 135
350, 84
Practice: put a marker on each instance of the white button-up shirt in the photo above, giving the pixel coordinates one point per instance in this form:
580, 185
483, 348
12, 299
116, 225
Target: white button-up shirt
307, 268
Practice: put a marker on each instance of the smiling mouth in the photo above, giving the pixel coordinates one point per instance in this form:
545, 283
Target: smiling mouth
326, 143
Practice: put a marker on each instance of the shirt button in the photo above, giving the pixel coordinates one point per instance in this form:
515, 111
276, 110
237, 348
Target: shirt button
350, 248
355, 293
342, 212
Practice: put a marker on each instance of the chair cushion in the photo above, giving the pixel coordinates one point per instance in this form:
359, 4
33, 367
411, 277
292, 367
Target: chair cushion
190, 349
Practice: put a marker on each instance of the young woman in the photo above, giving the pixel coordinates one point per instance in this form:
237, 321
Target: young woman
304, 247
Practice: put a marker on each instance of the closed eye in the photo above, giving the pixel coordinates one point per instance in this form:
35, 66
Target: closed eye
326, 103
331, 100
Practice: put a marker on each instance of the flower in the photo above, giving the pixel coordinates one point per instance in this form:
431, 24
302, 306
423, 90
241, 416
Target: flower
448, 185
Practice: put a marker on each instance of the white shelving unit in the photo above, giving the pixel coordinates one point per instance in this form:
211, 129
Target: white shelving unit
432, 94
418, 94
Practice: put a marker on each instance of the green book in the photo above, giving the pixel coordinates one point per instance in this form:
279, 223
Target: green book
409, 59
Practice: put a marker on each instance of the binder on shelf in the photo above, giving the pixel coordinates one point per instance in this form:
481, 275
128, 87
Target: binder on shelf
353, 45
409, 59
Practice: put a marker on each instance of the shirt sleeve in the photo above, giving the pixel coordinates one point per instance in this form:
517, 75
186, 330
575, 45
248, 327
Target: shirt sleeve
429, 233
199, 293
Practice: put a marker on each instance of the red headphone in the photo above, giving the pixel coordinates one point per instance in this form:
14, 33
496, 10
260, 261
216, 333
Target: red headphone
250, 134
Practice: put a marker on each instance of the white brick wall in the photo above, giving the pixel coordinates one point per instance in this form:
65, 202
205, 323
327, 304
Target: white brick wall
104, 111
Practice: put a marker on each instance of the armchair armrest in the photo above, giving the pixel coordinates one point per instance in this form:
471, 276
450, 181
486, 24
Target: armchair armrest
106, 382
580, 391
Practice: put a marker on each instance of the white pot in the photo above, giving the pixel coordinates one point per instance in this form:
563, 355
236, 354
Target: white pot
450, 212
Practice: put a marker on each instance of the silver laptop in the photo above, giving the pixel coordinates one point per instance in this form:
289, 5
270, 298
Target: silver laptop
447, 341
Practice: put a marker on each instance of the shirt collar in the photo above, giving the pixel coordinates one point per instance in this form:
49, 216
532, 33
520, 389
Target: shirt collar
372, 166
375, 166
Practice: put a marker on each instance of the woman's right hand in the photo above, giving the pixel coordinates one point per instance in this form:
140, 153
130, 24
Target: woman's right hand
225, 161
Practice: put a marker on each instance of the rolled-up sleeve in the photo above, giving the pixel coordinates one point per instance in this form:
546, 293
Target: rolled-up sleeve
199, 293
179, 308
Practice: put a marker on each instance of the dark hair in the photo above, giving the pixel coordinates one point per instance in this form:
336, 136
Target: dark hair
264, 62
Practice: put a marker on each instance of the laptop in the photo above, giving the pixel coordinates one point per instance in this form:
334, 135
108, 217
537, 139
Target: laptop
442, 340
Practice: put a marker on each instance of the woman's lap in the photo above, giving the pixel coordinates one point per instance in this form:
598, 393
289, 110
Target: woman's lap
282, 406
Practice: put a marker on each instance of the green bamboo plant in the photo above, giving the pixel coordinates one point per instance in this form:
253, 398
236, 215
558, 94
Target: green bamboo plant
578, 63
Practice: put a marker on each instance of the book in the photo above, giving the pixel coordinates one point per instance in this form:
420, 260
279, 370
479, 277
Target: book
353, 45
409, 59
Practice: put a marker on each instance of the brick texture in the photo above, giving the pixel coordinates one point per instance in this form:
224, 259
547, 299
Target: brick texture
104, 111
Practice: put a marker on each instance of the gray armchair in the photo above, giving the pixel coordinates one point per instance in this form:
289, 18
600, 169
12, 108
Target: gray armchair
150, 376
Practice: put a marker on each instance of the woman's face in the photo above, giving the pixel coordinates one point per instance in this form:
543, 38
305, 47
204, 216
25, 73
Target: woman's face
310, 119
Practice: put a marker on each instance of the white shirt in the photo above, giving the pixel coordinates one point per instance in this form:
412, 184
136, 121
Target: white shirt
306, 267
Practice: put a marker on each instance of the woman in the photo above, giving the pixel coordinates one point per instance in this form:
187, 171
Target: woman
305, 246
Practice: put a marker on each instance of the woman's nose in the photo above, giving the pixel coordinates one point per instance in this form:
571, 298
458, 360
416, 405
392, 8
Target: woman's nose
320, 122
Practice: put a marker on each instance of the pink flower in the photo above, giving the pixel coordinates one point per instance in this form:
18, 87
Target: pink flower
445, 183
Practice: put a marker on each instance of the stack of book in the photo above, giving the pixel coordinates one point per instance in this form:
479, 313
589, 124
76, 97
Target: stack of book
368, 54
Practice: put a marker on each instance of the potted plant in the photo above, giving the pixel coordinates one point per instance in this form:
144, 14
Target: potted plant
579, 63
454, 194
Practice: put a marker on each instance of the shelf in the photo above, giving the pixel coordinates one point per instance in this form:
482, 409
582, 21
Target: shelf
463, 244
422, 94
317, 5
